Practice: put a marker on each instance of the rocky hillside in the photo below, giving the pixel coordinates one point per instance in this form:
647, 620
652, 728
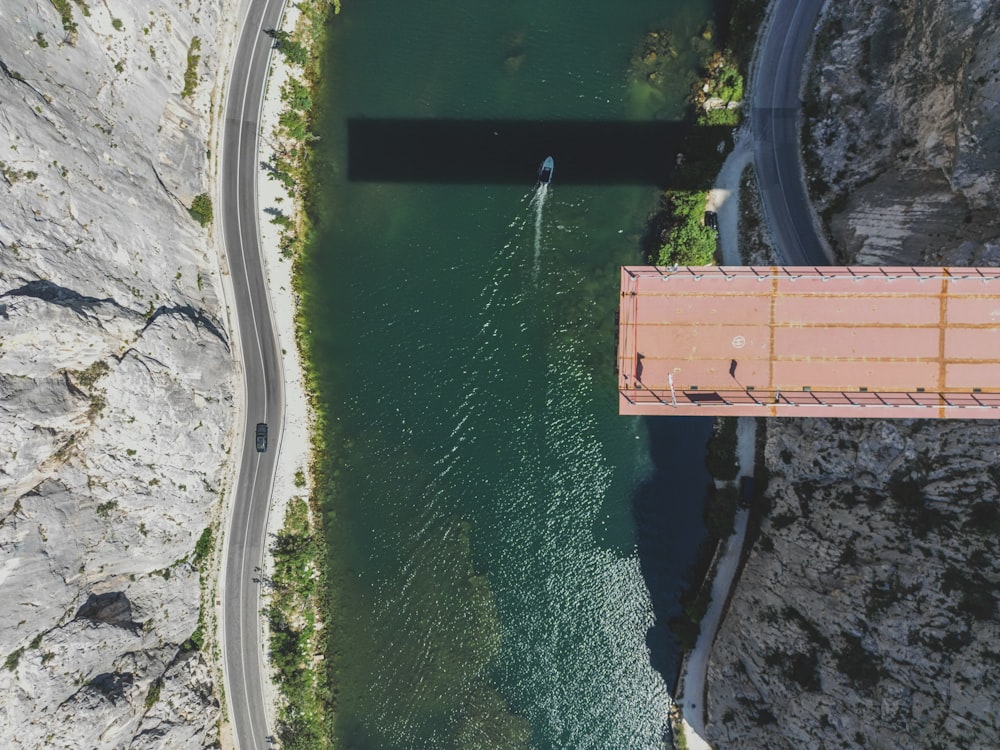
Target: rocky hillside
903, 130
866, 615
116, 375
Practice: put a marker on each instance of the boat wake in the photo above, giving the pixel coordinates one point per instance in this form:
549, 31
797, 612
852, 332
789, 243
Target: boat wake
541, 193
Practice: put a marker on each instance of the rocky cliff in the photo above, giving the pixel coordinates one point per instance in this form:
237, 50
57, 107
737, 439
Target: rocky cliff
902, 136
116, 375
866, 615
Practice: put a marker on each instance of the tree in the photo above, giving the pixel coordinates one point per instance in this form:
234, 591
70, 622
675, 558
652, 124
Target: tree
689, 242
201, 209
688, 245
295, 52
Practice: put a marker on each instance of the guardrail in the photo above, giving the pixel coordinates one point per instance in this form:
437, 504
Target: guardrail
974, 399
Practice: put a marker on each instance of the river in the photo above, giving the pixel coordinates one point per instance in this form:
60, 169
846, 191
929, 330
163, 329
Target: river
504, 548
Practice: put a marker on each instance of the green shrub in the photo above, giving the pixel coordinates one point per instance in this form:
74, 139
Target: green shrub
915, 510
294, 51
861, 666
720, 512
154, 693
204, 546
191, 72
296, 95
747, 17
984, 518
976, 598
65, 11
764, 716
721, 459
104, 509
689, 242
979, 603
783, 520
294, 123
297, 552
726, 116
13, 658
686, 627
201, 209
728, 84
812, 632
804, 669
9, 173
97, 370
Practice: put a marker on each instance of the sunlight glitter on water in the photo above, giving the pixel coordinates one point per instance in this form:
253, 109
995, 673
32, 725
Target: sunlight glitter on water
585, 643
481, 528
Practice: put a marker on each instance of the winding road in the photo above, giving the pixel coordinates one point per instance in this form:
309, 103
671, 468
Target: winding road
243, 656
775, 119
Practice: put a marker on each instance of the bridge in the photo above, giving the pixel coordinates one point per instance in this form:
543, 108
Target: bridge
844, 341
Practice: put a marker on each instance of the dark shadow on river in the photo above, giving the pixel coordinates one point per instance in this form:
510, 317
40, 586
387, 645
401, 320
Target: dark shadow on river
668, 513
510, 151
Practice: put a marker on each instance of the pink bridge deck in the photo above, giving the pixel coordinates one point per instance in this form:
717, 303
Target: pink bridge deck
810, 341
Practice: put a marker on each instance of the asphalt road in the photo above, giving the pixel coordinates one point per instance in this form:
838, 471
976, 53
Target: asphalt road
775, 119
246, 538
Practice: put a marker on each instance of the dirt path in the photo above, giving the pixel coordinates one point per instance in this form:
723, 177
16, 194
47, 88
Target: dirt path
724, 198
695, 667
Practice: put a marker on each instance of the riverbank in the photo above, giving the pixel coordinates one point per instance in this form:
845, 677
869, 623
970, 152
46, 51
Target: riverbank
704, 178
293, 576
722, 574
683, 238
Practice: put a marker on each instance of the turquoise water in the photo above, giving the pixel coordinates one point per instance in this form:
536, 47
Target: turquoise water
488, 585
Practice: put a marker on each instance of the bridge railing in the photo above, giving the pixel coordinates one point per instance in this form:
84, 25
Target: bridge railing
841, 399
822, 273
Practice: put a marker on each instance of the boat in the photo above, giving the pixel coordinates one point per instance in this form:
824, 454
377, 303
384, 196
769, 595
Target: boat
545, 172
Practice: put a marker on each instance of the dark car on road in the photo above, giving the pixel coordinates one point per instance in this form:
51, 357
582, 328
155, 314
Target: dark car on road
712, 220
261, 437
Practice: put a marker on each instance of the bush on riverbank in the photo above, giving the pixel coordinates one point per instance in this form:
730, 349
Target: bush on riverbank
678, 233
295, 599
718, 94
741, 35
686, 626
688, 242
721, 460
720, 512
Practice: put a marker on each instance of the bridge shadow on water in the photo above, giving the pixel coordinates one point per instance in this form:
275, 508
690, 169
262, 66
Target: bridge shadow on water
671, 534
510, 151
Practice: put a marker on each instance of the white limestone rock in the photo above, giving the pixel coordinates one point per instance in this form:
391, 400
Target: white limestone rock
116, 375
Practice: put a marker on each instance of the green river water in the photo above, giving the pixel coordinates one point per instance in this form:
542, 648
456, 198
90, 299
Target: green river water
504, 547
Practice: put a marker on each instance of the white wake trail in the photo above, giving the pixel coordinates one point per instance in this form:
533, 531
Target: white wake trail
539, 201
